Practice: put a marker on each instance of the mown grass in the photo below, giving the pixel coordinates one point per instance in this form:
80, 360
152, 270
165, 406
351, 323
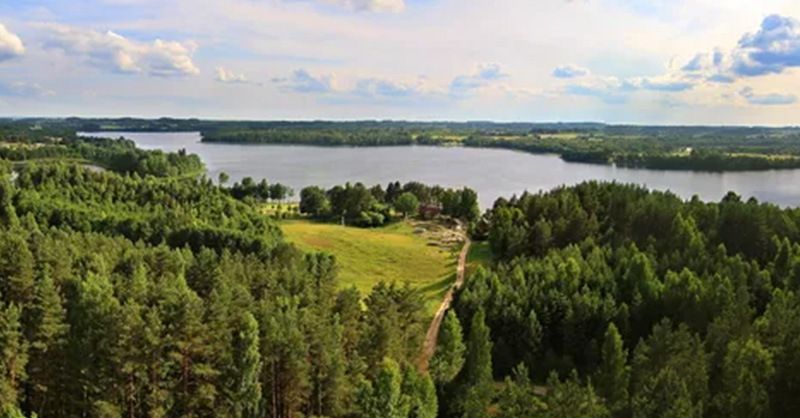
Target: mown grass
368, 256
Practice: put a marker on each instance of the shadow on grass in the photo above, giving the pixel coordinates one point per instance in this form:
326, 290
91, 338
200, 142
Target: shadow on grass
441, 287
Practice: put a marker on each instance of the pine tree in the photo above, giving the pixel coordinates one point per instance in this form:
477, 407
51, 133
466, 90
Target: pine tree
747, 371
570, 399
8, 215
478, 382
247, 365
420, 392
518, 399
613, 375
13, 355
16, 269
448, 359
665, 395
48, 342
131, 356
384, 398
188, 350
157, 396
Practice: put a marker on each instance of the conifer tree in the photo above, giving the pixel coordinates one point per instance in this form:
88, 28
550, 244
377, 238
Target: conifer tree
13, 355
247, 365
613, 375
48, 343
478, 383
448, 359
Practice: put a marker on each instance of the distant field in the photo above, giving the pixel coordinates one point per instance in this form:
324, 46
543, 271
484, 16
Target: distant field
286, 210
367, 256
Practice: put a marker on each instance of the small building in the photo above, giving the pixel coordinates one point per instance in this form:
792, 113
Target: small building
429, 211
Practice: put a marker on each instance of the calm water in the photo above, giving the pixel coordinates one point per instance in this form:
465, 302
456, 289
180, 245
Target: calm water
493, 173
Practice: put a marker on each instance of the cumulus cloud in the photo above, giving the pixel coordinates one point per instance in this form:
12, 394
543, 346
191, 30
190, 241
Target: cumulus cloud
10, 45
23, 89
666, 85
482, 76
372, 87
614, 91
608, 94
700, 62
773, 49
230, 77
376, 6
378, 88
570, 71
301, 81
113, 52
767, 99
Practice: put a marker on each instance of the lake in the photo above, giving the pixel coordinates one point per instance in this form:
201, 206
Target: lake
491, 172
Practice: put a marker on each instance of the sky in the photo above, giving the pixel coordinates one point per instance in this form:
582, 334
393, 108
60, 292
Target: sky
706, 62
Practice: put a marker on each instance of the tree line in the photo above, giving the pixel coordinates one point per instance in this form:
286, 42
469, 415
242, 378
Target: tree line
355, 204
119, 155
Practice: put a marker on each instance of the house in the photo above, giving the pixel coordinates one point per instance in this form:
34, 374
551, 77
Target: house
429, 211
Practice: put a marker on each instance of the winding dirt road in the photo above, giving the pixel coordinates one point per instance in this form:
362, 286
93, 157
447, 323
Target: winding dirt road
429, 347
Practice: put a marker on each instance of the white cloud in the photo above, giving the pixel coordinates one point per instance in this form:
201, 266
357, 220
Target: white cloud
397, 89
113, 52
23, 89
227, 76
377, 6
772, 99
570, 71
301, 81
482, 76
10, 45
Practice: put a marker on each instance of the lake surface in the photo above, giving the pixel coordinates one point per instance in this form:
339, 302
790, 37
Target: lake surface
491, 172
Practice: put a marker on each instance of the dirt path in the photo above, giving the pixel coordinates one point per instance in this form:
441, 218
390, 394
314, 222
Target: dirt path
429, 346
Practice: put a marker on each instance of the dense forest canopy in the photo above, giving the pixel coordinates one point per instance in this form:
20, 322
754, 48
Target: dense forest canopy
149, 292
658, 306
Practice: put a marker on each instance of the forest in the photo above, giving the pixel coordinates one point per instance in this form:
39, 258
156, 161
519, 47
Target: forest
143, 291
633, 303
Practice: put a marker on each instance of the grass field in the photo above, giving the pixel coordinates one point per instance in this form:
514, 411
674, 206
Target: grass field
479, 255
392, 253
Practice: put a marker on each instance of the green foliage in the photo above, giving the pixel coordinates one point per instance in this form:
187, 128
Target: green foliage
247, 368
131, 296
13, 354
448, 359
581, 273
746, 376
355, 204
518, 399
613, 374
407, 204
477, 382
384, 397
570, 398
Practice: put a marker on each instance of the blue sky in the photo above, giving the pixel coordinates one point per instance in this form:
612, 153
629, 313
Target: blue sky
617, 61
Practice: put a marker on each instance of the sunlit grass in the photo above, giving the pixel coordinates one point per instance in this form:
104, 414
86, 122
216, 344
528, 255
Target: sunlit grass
391, 254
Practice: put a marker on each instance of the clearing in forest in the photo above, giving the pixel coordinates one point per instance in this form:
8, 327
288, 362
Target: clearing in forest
421, 253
